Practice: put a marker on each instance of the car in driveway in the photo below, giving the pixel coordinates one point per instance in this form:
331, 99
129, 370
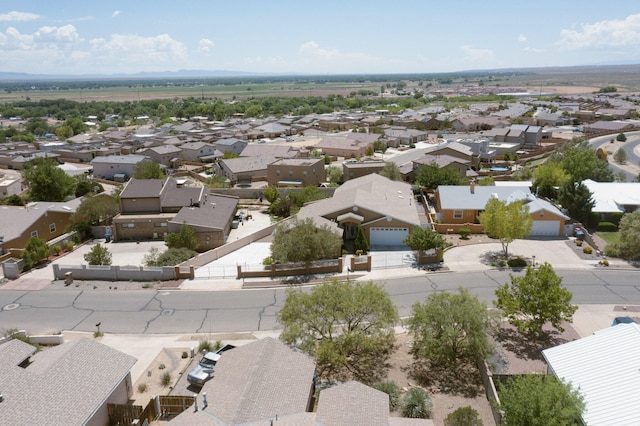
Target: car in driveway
202, 372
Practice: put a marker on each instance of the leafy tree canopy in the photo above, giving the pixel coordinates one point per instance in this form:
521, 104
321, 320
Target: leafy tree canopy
540, 400
547, 177
629, 231
148, 170
98, 255
431, 175
185, 237
422, 239
450, 329
346, 326
391, 171
580, 162
577, 199
534, 299
35, 251
46, 181
302, 241
506, 222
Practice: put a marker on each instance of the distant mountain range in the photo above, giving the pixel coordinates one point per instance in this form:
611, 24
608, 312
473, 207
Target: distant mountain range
14, 76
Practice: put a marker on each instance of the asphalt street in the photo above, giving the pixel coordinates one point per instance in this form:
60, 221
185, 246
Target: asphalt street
148, 311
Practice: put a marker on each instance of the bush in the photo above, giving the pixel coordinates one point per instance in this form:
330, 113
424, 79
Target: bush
611, 251
502, 264
205, 346
166, 379
464, 233
463, 416
174, 256
615, 218
517, 263
185, 354
55, 250
416, 404
579, 243
606, 227
68, 246
587, 250
604, 262
142, 387
392, 389
267, 261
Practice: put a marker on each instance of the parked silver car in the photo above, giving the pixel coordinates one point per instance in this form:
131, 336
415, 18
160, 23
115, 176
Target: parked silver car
202, 372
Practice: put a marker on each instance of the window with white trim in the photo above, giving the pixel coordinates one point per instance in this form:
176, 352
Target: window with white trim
457, 214
34, 234
52, 228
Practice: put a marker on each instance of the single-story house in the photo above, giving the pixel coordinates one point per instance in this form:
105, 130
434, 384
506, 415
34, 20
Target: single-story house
340, 146
244, 169
604, 368
461, 205
614, 197
353, 169
233, 145
69, 384
384, 209
167, 155
200, 152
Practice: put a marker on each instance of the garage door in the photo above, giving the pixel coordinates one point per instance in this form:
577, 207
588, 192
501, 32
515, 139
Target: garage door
545, 227
387, 236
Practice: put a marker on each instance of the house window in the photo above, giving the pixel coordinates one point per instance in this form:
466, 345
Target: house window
290, 172
457, 214
52, 227
128, 225
160, 224
34, 234
278, 172
304, 173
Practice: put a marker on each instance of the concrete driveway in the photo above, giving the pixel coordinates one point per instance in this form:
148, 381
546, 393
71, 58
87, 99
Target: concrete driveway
476, 257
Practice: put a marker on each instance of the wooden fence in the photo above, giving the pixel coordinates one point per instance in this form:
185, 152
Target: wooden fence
163, 406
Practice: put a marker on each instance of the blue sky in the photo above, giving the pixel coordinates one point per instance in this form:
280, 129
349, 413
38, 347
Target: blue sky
323, 37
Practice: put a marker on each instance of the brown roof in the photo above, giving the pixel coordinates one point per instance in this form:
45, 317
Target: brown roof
142, 188
215, 212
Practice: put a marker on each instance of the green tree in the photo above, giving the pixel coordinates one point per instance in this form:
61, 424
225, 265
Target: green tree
506, 222
35, 251
271, 193
348, 327
98, 255
392, 389
306, 195
86, 185
534, 299
577, 199
540, 400
46, 181
463, 416
361, 242
379, 146
431, 175
486, 181
391, 171
302, 241
416, 404
547, 177
629, 232
334, 174
580, 162
621, 137
185, 237
95, 210
620, 156
422, 239
449, 329
147, 170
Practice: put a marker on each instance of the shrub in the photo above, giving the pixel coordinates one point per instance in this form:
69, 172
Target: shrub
185, 354
142, 387
205, 346
579, 243
416, 404
463, 416
518, 262
606, 227
392, 389
464, 233
55, 250
587, 250
502, 264
267, 261
68, 245
605, 262
611, 251
174, 256
615, 218
166, 379
97, 334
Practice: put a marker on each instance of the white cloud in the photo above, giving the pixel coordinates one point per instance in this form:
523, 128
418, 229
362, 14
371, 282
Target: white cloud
522, 38
157, 53
66, 34
18, 16
313, 57
116, 13
616, 32
205, 45
534, 50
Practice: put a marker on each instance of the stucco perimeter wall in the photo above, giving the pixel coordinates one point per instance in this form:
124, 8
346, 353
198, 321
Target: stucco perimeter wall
115, 273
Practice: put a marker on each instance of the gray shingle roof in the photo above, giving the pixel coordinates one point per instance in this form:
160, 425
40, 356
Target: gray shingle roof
63, 385
353, 403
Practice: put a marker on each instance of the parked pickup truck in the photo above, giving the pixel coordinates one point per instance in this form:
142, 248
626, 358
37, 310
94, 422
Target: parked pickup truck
202, 372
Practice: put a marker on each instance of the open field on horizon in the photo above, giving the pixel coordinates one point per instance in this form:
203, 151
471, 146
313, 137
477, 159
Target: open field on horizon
561, 81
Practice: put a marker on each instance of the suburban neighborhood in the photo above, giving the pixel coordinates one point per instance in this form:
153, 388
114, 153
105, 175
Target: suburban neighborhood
321, 209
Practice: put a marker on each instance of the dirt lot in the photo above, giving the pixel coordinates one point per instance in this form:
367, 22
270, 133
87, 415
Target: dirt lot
169, 361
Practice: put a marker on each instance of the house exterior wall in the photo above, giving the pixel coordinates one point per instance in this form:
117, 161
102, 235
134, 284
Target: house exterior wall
10, 187
120, 395
140, 205
311, 174
138, 228
107, 170
195, 154
351, 172
57, 221
548, 216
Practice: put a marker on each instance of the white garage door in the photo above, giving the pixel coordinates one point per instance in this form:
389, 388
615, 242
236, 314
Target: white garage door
387, 236
545, 227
